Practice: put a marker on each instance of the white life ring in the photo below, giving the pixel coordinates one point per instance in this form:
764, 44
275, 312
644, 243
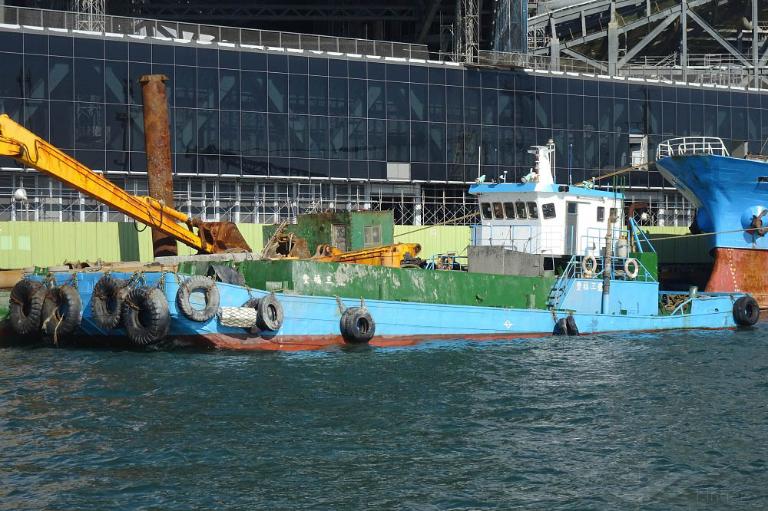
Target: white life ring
631, 268
589, 265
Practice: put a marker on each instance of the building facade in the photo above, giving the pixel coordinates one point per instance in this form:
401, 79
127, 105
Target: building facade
261, 132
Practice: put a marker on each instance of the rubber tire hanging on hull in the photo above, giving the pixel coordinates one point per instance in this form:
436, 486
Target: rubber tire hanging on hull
746, 311
270, 313
61, 312
357, 325
202, 284
107, 303
146, 317
570, 326
561, 327
26, 306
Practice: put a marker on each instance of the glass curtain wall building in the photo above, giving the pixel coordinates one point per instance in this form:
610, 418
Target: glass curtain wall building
263, 133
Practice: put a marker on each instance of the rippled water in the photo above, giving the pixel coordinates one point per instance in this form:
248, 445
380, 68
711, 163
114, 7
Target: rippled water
674, 421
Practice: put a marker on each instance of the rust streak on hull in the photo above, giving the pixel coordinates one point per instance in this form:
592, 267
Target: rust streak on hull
740, 270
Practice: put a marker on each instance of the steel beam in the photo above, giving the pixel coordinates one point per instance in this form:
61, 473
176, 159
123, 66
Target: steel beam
428, 21
717, 37
647, 39
583, 58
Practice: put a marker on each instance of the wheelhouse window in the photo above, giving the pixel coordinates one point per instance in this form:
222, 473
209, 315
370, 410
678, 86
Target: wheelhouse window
520, 209
533, 211
548, 210
509, 210
600, 214
498, 211
485, 210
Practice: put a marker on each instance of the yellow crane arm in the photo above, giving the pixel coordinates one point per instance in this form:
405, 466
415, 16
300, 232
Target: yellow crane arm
32, 151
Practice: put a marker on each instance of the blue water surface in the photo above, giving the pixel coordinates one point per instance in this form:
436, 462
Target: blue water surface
668, 421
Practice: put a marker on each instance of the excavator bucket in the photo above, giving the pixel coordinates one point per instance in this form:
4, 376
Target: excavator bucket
223, 236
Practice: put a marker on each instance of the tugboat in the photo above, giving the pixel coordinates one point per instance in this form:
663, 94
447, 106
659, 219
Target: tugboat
731, 200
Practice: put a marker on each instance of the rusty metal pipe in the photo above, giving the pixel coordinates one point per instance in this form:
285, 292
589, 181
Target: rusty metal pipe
157, 141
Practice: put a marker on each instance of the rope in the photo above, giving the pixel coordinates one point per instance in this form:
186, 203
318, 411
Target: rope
675, 236
437, 225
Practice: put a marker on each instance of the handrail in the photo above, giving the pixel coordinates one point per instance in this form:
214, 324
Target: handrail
689, 146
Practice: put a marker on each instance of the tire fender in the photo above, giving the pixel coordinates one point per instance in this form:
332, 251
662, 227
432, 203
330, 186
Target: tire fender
561, 327
570, 325
61, 313
746, 311
205, 285
146, 316
357, 325
26, 306
107, 302
269, 313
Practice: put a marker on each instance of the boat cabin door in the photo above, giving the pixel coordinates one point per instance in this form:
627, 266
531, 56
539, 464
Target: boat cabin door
571, 226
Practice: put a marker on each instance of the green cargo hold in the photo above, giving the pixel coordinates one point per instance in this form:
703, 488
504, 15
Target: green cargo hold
383, 283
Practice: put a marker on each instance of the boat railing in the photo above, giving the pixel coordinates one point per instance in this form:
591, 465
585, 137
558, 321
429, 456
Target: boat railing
642, 243
687, 146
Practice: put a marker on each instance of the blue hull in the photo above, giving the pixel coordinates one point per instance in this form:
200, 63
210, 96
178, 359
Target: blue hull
727, 192
312, 322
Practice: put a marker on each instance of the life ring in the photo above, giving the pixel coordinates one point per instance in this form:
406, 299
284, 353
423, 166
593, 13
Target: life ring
26, 306
746, 311
61, 312
208, 288
146, 317
631, 268
570, 325
269, 313
589, 264
561, 327
107, 302
357, 325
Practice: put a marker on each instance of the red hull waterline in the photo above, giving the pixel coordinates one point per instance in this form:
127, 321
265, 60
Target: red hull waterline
741, 271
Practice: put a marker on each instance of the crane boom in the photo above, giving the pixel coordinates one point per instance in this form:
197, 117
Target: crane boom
32, 151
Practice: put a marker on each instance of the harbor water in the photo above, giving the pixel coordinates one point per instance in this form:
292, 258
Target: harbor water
643, 421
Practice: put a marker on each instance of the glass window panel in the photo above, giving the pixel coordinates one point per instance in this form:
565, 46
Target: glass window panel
229, 59
207, 87
358, 139
376, 103
337, 68
57, 46
11, 41
253, 61
419, 74
117, 128
297, 94
229, 89
318, 137
437, 75
485, 210
420, 141
697, 119
591, 159
506, 146
560, 110
318, 95
490, 106
358, 98
278, 135
254, 134
397, 73
454, 104
89, 48
620, 118
254, 91
185, 130
471, 144
398, 141
418, 101
162, 54
185, 55
490, 145
472, 106
277, 85
63, 125
185, 86
543, 110
115, 81
11, 78
524, 109
207, 58
377, 136
89, 80
299, 132
318, 67
575, 112
605, 121
498, 211
337, 128
229, 126
437, 142
137, 69
89, 126
36, 117
34, 43
208, 131
337, 96
397, 101
739, 123
357, 69
375, 71
506, 107
636, 117
437, 103
137, 52
36, 76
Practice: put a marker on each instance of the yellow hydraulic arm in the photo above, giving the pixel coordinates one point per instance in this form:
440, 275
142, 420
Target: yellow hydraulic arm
383, 255
32, 151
